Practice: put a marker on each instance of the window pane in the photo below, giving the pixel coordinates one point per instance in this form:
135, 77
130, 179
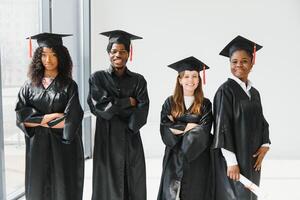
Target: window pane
18, 20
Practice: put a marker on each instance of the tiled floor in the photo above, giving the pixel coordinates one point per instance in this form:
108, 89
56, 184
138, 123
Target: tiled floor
153, 175
280, 179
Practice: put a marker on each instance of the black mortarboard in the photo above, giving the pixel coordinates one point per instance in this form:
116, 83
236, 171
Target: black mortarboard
239, 43
191, 63
119, 36
49, 39
116, 35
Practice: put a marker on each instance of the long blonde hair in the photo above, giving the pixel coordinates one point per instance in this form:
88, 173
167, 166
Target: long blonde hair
177, 106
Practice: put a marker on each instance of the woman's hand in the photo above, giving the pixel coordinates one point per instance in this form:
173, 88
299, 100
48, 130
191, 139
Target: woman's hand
58, 115
171, 118
260, 154
176, 131
59, 125
233, 172
49, 117
45, 125
30, 125
132, 101
190, 126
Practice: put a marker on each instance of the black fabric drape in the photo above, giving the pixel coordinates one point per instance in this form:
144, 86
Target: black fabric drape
118, 150
54, 156
241, 128
187, 157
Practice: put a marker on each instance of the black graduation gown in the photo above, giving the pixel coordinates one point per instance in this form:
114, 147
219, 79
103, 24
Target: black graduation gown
187, 157
241, 128
119, 163
54, 157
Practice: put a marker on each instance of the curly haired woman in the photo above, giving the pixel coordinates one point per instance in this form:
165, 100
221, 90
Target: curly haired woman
49, 113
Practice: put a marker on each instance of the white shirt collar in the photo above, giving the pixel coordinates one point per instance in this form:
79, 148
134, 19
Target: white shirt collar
243, 85
188, 101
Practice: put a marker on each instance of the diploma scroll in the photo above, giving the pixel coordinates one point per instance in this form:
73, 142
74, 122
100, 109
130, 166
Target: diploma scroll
253, 188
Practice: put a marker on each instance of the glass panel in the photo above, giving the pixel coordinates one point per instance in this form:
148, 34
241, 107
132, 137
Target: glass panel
18, 20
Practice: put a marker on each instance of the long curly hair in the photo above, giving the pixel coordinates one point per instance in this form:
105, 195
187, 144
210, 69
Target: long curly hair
177, 107
65, 65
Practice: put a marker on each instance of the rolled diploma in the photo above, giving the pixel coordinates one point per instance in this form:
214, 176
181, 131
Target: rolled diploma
253, 188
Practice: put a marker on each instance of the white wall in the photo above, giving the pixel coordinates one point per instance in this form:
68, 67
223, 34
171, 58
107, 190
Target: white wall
67, 21
175, 29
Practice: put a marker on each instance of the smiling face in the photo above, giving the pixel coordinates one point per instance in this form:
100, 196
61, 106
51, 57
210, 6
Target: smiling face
189, 82
241, 64
118, 56
50, 61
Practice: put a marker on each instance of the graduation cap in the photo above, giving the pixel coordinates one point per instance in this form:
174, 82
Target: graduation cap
190, 63
119, 36
47, 40
241, 43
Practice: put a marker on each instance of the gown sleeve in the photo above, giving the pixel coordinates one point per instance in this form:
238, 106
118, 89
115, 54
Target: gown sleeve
266, 138
56, 121
265, 126
73, 115
101, 103
25, 112
196, 140
139, 114
167, 135
223, 114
